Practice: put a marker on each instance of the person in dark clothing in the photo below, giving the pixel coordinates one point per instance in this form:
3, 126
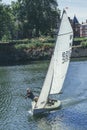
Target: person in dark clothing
35, 98
31, 95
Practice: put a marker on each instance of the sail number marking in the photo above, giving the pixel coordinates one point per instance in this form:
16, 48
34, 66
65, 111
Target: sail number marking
66, 56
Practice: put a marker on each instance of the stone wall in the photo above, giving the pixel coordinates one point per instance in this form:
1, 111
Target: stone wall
78, 52
8, 54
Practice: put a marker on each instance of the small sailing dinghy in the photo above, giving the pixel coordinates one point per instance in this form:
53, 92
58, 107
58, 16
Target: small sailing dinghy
57, 69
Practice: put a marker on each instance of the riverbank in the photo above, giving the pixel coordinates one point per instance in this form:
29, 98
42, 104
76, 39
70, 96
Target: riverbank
28, 50
79, 52
10, 55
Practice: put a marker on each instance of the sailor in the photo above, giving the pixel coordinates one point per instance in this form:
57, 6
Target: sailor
35, 98
31, 95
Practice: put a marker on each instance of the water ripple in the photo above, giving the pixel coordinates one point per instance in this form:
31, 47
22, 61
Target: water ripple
14, 107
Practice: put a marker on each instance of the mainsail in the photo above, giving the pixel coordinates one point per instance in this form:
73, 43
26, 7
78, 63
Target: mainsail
59, 62
62, 54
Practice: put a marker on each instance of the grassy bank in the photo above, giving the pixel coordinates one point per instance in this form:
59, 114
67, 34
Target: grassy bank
44, 42
34, 43
82, 41
27, 50
35, 49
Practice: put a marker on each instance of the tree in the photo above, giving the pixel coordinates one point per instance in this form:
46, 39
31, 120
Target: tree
38, 16
28, 18
6, 22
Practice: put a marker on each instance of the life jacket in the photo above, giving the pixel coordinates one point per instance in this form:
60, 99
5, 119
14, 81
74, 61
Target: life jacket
31, 95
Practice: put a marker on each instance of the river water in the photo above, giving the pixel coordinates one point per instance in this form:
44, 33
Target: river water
14, 107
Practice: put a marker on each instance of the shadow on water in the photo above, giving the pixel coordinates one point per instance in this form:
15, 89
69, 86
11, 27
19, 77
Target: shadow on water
69, 117
67, 103
14, 63
21, 62
40, 122
66, 118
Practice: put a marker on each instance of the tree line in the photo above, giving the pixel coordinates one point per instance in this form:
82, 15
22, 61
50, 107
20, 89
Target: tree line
28, 18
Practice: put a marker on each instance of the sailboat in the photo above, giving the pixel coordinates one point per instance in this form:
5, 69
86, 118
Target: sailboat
57, 70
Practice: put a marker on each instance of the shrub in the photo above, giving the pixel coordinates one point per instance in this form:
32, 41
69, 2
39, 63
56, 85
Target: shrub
84, 43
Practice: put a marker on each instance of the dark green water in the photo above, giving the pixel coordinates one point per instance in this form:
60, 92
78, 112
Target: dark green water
14, 107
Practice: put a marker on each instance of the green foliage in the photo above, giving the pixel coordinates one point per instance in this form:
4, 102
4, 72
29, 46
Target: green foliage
24, 41
7, 24
33, 43
84, 43
31, 46
6, 37
40, 40
28, 18
80, 39
39, 16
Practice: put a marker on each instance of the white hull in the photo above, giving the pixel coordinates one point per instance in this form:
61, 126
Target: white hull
48, 107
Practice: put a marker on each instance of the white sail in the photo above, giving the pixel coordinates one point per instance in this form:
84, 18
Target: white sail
62, 54
46, 87
59, 63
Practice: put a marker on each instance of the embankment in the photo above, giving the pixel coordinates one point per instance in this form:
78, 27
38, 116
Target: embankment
79, 52
9, 54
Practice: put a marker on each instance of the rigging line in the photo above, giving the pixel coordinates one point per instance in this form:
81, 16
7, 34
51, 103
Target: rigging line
64, 33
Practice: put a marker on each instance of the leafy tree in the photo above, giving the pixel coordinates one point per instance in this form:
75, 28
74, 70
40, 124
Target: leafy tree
40, 15
6, 22
37, 17
28, 18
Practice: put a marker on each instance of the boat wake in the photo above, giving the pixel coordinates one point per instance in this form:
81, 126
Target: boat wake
72, 102
30, 112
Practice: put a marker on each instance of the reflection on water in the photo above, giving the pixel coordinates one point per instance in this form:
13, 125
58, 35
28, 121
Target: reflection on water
14, 108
